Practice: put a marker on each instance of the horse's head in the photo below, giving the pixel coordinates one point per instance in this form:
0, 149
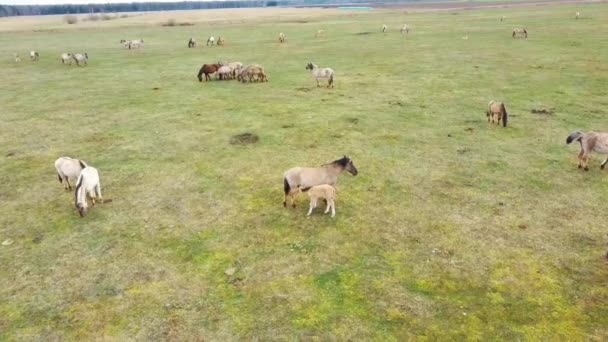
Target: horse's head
347, 164
309, 66
82, 210
86, 56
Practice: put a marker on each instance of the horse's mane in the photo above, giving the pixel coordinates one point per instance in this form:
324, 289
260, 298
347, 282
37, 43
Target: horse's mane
342, 162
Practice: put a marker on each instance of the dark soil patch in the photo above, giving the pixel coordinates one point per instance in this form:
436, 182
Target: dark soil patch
363, 33
11, 153
304, 89
353, 121
541, 111
244, 139
463, 150
396, 103
287, 126
469, 129
155, 88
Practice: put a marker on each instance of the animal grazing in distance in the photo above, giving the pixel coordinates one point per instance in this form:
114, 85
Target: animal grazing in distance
17, 58
68, 168
135, 44
220, 41
253, 72
520, 32
81, 59
591, 141
191, 43
405, 29
320, 73
384, 28
299, 178
323, 191
578, 14
66, 58
210, 40
224, 72
207, 69
320, 34
88, 185
503, 18
281, 37
34, 56
496, 112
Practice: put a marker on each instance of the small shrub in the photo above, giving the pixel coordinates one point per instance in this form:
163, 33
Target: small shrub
71, 19
124, 15
105, 16
93, 17
170, 22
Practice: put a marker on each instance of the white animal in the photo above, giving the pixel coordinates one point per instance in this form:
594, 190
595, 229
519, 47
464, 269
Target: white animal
136, 44
320, 33
405, 29
503, 18
326, 192
384, 28
578, 14
66, 58
34, 55
88, 185
17, 58
68, 168
81, 59
224, 72
281, 37
465, 37
318, 73
210, 40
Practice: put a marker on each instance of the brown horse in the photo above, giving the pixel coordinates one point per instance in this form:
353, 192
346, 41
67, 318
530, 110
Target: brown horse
497, 111
207, 69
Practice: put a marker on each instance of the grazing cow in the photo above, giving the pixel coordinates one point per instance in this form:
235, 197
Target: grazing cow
591, 141
320, 73
520, 32
496, 112
299, 178
207, 69
34, 56
88, 185
68, 168
323, 191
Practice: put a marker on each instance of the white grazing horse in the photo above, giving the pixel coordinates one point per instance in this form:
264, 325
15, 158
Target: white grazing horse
88, 185
136, 44
81, 59
405, 29
210, 40
68, 168
34, 55
384, 28
319, 73
66, 58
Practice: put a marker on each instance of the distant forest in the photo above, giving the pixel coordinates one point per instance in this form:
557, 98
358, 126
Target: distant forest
16, 10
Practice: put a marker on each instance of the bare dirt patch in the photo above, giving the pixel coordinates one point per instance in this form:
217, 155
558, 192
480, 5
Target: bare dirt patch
244, 139
542, 111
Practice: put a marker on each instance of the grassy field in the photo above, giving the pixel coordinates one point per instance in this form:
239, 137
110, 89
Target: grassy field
454, 229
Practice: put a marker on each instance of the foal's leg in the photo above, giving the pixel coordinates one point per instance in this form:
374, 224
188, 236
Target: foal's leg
580, 157
328, 206
313, 204
98, 192
585, 161
333, 208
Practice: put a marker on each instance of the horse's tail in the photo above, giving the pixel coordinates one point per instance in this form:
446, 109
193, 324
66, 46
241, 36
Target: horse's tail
504, 115
286, 189
574, 136
200, 75
82, 164
331, 79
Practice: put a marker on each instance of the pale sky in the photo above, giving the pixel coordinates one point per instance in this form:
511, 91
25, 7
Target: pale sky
76, 2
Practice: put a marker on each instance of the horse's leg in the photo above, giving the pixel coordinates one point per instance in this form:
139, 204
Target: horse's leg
69, 187
98, 192
604, 163
580, 157
585, 161
312, 205
292, 197
327, 207
333, 208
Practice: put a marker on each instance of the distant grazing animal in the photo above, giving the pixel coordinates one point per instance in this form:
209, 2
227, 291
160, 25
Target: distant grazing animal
68, 168
299, 178
235, 67
66, 58
281, 37
254, 72
224, 72
405, 29
465, 37
136, 44
81, 59
592, 141
17, 58
88, 185
221, 41
321, 73
320, 34
578, 14
326, 192
496, 112
521, 32
503, 18
384, 28
191, 43
125, 43
210, 41
207, 69
34, 56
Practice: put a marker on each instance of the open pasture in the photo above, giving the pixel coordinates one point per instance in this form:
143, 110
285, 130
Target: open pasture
454, 228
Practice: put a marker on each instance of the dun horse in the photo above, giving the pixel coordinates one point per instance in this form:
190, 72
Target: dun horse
68, 168
496, 112
34, 56
592, 141
299, 178
87, 186
318, 73
326, 192
281, 37
207, 69
405, 29
519, 32
191, 43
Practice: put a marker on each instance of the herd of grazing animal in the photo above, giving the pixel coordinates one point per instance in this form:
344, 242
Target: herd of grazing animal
319, 182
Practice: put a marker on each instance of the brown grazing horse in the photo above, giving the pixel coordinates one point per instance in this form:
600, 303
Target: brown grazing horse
207, 69
497, 111
592, 141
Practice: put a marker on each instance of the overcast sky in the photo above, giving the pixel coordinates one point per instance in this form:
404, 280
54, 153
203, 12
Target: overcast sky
51, 2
